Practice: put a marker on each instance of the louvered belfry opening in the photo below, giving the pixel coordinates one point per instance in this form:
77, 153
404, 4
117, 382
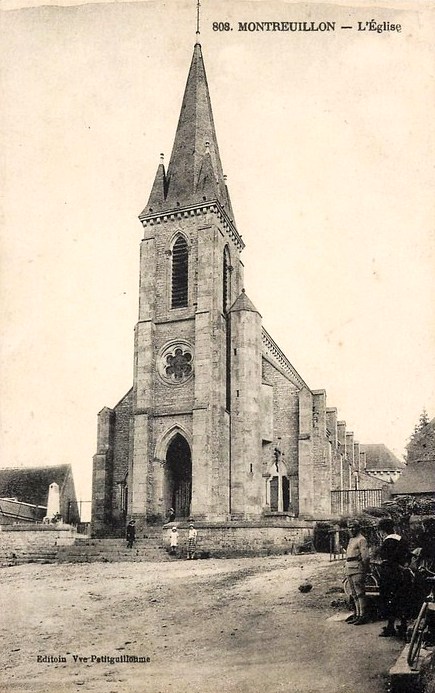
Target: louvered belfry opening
179, 273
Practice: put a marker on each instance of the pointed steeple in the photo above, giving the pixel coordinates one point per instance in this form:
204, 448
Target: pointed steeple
157, 196
195, 172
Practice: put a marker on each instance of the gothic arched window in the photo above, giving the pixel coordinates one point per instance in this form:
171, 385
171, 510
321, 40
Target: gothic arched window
279, 491
180, 273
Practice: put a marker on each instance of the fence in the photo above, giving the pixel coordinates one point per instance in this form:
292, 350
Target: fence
353, 501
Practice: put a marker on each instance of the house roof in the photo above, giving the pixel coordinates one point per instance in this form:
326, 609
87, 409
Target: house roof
418, 477
30, 485
380, 458
21, 511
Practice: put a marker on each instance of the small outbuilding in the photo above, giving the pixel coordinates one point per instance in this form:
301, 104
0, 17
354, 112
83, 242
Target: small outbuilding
380, 463
417, 479
24, 493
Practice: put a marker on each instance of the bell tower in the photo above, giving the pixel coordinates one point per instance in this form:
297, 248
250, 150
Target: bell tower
190, 275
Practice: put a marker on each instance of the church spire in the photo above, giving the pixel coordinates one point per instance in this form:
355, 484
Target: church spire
194, 174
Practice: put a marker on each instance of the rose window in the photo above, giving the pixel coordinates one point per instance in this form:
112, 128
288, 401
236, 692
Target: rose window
176, 363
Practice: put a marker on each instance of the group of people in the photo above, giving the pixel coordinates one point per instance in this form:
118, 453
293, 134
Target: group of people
400, 572
192, 536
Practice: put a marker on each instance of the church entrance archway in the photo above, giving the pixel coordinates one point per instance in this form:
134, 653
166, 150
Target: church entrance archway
179, 475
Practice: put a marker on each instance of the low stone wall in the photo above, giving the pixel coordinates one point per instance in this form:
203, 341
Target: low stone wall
242, 539
33, 543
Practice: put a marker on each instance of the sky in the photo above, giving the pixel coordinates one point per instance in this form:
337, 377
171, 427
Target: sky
328, 143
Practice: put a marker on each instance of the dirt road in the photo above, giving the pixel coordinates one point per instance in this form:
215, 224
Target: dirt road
212, 626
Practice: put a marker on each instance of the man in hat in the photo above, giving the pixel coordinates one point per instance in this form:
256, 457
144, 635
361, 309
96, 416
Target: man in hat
131, 534
357, 564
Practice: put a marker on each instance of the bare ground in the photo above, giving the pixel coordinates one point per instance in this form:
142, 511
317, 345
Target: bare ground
212, 626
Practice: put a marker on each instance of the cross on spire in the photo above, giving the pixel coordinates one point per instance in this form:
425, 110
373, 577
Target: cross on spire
198, 5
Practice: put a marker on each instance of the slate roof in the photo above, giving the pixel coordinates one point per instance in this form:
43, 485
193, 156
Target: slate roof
30, 484
242, 302
417, 477
380, 458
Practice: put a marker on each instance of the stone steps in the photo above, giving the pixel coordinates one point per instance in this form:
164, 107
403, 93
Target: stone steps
147, 549
95, 551
104, 558
19, 557
110, 543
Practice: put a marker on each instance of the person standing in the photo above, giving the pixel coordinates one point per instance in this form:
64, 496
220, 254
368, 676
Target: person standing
171, 515
357, 564
395, 579
131, 534
191, 544
173, 541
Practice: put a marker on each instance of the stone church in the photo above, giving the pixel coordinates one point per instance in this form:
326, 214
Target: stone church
218, 424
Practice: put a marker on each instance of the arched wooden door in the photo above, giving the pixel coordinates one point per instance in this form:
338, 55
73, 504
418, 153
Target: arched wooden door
179, 475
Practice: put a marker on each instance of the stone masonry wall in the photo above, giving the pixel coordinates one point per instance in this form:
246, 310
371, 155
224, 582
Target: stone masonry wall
306, 471
238, 539
336, 459
285, 426
102, 474
202, 398
246, 462
121, 454
32, 543
322, 457
342, 447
